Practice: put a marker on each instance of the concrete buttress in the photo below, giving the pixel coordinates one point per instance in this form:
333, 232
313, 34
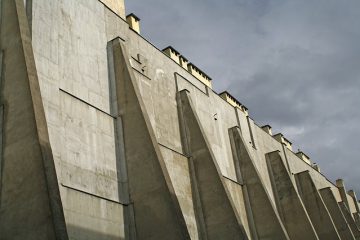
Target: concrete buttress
332, 205
291, 209
355, 230
220, 218
30, 205
315, 206
268, 224
156, 208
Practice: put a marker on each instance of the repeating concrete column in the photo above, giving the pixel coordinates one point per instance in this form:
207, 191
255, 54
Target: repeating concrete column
288, 201
268, 224
220, 216
315, 206
340, 222
349, 219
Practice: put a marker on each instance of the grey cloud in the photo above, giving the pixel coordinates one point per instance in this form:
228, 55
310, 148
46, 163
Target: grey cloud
295, 64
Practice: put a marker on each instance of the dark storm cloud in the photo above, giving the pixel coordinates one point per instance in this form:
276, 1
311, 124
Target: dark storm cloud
295, 64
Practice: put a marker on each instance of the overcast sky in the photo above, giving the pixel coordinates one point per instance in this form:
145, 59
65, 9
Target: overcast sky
294, 64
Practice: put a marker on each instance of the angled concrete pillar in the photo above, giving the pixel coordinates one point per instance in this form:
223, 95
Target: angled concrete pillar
289, 204
354, 198
340, 222
220, 217
357, 213
315, 206
355, 230
30, 204
342, 190
265, 217
157, 211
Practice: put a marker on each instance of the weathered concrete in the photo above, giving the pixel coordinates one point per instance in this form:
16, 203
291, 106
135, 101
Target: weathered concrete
332, 205
289, 204
267, 222
319, 215
151, 190
30, 205
349, 219
220, 217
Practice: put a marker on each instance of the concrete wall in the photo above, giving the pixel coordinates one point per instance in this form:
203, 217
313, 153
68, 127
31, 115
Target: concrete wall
70, 41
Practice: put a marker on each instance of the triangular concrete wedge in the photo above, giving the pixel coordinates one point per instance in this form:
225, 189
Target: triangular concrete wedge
355, 230
341, 225
220, 217
30, 204
291, 209
315, 206
266, 220
156, 207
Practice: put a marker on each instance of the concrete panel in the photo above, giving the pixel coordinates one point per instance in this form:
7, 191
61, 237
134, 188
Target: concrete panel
92, 218
88, 160
289, 204
315, 206
342, 226
151, 190
237, 196
220, 216
178, 167
30, 206
267, 222
355, 230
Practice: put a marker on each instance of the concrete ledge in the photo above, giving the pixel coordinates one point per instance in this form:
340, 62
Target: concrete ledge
266, 221
319, 215
288, 201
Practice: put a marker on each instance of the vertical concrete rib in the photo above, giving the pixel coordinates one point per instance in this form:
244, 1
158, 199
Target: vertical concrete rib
220, 217
355, 230
30, 204
267, 222
288, 201
319, 215
151, 191
341, 225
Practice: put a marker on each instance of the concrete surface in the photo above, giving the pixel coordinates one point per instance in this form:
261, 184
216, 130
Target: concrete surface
30, 206
289, 204
265, 217
88, 164
349, 219
338, 217
220, 217
315, 206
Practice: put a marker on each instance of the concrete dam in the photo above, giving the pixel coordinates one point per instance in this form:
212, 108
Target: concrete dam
106, 137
